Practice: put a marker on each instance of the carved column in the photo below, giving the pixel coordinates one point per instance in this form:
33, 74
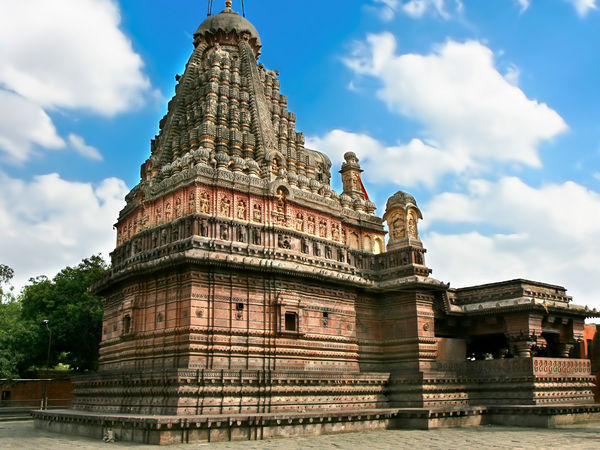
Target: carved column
564, 348
522, 346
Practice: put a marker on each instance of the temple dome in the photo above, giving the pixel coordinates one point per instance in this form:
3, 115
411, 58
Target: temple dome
402, 200
228, 21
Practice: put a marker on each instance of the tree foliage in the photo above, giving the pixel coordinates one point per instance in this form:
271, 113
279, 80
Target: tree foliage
74, 316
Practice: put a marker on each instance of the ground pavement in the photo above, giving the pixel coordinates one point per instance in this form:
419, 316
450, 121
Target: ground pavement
22, 435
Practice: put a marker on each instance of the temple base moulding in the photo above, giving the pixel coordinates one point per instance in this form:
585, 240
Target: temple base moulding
166, 430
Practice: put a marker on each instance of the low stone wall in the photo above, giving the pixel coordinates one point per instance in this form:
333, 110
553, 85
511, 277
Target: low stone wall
206, 391
515, 381
165, 430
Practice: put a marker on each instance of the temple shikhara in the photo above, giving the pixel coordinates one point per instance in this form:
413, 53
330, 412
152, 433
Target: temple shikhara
247, 299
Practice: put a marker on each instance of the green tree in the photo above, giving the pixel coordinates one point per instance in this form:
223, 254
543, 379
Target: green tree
6, 275
12, 329
74, 315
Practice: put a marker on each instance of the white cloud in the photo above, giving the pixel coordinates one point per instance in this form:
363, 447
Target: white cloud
583, 7
418, 9
62, 55
70, 54
24, 125
548, 234
467, 107
403, 165
85, 150
512, 75
523, 4
388, 9
48, 222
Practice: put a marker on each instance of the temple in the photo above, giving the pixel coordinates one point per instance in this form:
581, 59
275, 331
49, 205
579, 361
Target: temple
247, 299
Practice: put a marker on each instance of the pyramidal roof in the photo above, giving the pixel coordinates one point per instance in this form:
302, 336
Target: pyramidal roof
228, 113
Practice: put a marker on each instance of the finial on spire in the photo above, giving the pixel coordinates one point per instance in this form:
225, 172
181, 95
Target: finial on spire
227, 3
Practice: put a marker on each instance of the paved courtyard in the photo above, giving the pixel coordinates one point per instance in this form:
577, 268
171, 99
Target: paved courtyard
22, 435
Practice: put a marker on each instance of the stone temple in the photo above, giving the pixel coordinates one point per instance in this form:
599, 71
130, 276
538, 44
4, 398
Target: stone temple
247, 299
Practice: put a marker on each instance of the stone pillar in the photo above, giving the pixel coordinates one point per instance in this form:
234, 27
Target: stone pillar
564, 348
522, 348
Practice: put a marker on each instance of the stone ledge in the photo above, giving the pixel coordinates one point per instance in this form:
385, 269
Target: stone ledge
162, 430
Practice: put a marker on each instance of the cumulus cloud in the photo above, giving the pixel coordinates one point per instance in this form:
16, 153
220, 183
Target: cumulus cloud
404, 163
23, 125
55, 222
70, 54
85, 150
466, 105
513, 230
63, 55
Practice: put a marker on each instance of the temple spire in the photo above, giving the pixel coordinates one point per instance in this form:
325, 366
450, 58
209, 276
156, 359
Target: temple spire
227, 3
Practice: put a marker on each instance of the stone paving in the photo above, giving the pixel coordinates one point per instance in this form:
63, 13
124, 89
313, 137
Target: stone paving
22, 435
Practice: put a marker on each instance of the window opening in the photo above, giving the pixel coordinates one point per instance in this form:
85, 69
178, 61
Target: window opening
290, 321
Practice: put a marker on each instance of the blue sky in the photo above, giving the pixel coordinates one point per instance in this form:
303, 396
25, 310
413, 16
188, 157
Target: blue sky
486, 111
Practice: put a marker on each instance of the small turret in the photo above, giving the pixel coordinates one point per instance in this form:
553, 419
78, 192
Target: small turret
401, 215
351, 181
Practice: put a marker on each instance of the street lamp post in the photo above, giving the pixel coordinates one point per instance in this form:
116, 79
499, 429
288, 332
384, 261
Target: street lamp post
44, 396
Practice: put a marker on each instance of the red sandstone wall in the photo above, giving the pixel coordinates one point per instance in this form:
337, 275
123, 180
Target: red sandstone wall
29, 392
219, 319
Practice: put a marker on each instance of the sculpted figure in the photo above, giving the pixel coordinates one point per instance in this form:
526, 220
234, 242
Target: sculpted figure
225, 207
322, 228
280, 201
178, 203
355, 181
335, 233
397, 229
257, 213
159, 215
311, 225
412, 226
299, 222
192, 203
241, 210
168, 211
204, 203
275, 167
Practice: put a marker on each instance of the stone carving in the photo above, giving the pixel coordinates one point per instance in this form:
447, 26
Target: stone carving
178, 207
241, 210
310, 225
257, 213
204, 203
281, 201
299, 222
397, 227
335, 232
284, 242
192, 203
412, 226
168, 211
225, 209
322, 228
